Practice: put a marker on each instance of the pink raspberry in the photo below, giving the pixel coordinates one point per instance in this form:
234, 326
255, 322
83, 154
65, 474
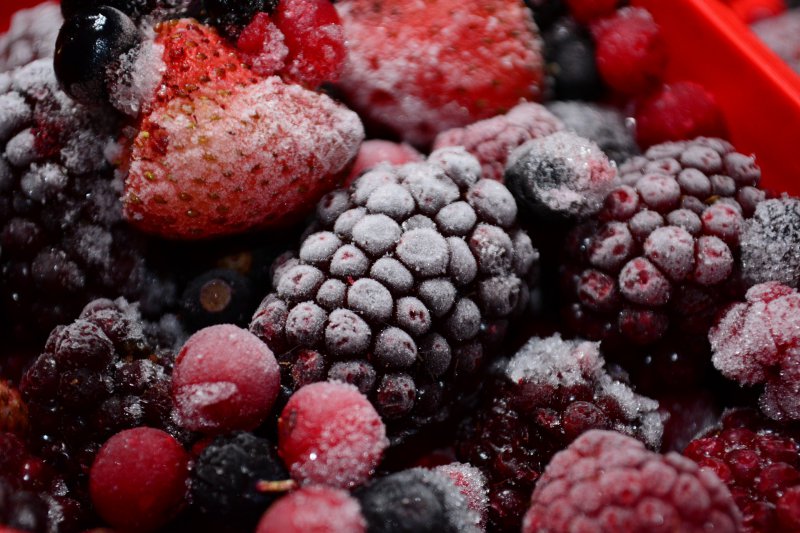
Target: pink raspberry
758, 341
606, 481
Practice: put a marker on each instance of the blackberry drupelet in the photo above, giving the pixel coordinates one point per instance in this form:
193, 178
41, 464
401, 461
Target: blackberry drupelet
100, 374
63, 238
401, 286
535, 404
662, 253
759, 461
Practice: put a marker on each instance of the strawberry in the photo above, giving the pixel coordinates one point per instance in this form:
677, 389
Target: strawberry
418, 68
221, 150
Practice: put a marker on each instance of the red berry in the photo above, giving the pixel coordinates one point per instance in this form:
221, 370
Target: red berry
313, 32
262, 45
678, 111
314, 509
585, 11
329, 433
630, 52
376, 151
225, 378
138, 479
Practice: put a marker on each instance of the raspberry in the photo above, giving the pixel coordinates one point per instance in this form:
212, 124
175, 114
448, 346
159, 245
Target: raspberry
550, 392
404, 278
416, 500
13, 411
661, 254
756, 342
560, 176
405, 75
262, 45
771, 243
605, 480
100, 374
226, 475
585, 11
138, 479
570, 56
492, 140
32, 36
759, 464
603, 125
224, 379
631, 55
330, 434
314, 510
678, 111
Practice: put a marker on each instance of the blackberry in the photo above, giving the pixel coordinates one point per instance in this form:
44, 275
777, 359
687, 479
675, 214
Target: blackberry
418, 501
406, 279
63, 238
32, 36
661, 254
538, 402
602, 124
760, 463
570, 56
771, 243
231, 16
100, 374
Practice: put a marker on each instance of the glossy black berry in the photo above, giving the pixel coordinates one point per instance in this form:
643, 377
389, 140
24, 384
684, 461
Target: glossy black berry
227, 474
570, 56
133, 8
88, 46
219, 296
231, 16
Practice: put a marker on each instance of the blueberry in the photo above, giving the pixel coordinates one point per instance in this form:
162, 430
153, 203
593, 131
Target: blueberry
219, 296
231, 16
569, 52
88, 45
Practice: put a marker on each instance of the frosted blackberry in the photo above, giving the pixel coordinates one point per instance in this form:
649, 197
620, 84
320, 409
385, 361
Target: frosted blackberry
402, 287
662, 253
771, 243
225, 478
96, 376
63, 238
538, 402
603, 125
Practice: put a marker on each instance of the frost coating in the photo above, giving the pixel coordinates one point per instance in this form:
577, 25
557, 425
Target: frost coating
770, 243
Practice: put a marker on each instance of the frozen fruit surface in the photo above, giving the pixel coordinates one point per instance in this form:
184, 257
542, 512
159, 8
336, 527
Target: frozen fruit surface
471, 482
225, 379
32, 36
418, 69
548, 394
330, 434
662, 253
492, 140
756, 341
314, 509
780, 35
402, 283
605, 480
771, 243
208, 145
375, 151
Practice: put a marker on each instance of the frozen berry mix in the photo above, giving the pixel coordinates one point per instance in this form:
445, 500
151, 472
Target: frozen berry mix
372, 266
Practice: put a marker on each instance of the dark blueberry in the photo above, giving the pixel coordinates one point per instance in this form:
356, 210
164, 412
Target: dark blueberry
133, 8
569, 52
219, 296
225, 477
546, 12
88, 46
231, 16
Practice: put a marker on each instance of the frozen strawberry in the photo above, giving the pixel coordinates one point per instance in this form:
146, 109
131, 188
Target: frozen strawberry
221, 151
418, 68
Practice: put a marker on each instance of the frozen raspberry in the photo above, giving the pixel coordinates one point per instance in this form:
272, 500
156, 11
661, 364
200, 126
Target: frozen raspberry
603, 125
757, 341
471, 482
13, 411
771, 243
330, 434
225, 378
226, 475
32, 36
631, 55
417, 501
314, 509
661, 254
561, 176
759, 464
375, 151
585, 11
100, 374
550, 392
678, 111
492, 140
608, 481
406, 75
407, 276
571, 64
138, 479
262, 45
